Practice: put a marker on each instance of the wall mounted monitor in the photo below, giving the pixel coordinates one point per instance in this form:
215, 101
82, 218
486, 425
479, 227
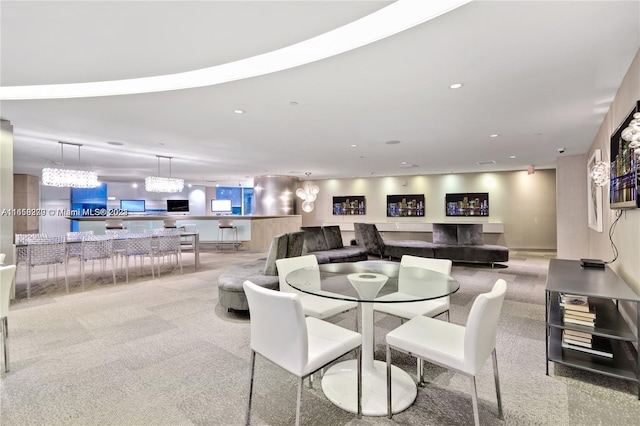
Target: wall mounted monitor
350, 205
132, 206
467, 204
623, 175
405, 205
178, 206
221, 206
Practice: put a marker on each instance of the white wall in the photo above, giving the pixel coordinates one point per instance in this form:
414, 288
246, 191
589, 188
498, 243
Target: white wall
571, 198
524, 203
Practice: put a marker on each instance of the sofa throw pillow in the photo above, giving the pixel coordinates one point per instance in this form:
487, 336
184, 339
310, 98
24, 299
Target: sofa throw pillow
314, 239
470, 234
278, 250
333, 236
445, 233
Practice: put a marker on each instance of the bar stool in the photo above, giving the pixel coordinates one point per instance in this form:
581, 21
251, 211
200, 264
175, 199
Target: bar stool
223, 224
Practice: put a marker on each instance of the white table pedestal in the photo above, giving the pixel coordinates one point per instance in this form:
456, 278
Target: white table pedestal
339, 382
339, 386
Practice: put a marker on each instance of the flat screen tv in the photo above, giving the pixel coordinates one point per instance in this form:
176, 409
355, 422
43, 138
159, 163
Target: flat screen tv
467, 204
623, 175
178, 206
132, 206
221, 206
405, 205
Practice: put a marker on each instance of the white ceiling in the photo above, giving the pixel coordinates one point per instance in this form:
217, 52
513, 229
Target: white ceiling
541, 74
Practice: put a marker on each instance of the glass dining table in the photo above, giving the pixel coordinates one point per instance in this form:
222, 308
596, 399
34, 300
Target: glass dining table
365, 282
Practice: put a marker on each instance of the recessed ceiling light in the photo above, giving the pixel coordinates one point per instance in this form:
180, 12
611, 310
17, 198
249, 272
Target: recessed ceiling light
134, 185
512, 156
238, 111
353, 145
495, 135
456, 86
115, 143
190, 185
404, 162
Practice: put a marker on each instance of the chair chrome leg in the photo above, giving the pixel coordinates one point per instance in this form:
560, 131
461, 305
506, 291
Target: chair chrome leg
495, 374
474, 400
299, 401
359, 382
448, 318
420, 371
247, 417
311, 381
5, 343
389, 411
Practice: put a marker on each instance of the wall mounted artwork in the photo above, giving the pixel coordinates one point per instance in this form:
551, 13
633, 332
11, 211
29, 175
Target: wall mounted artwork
411, 205
350, 205
467, 204
594, 195
623, 174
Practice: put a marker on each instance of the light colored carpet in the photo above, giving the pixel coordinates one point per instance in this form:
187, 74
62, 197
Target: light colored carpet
163, 352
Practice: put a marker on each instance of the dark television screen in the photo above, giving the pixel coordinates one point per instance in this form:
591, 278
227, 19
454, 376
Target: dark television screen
411, 205
178, 206
467, 204
132, 206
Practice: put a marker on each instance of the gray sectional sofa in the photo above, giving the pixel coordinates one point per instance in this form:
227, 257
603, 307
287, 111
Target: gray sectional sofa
458, 242
325, 242
262, 271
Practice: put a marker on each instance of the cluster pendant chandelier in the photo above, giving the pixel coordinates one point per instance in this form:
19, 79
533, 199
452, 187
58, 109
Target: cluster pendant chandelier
632, 132
308, 193
72, 178
163, 184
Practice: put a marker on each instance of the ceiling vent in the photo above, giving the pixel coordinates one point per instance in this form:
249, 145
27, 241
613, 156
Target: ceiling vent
484, 163
407, 166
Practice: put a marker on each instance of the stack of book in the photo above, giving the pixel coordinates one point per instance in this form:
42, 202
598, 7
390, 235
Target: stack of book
578, 310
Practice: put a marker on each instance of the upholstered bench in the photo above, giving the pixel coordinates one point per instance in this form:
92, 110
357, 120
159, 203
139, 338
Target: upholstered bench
464, 242
262, 272
325, 242
367, 235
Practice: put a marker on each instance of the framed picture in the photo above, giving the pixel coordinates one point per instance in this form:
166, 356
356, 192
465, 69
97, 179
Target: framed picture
467, 204
623, 175
411, 205
351, 205
594, 195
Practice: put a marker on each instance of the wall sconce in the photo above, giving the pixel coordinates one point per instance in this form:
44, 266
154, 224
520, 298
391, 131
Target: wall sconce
308, 193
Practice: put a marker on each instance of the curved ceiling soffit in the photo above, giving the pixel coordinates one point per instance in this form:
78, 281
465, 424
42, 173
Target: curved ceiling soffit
390, 20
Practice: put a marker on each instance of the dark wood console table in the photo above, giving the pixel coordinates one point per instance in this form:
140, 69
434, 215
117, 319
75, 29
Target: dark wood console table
604, 289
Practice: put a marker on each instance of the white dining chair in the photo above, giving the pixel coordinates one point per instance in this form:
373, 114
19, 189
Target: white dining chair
49, 251
7, 275
281, 333
97, 247
313, 306
463, 349
168, 245
408, 310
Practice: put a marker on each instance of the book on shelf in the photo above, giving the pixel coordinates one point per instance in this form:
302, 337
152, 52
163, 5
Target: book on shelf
580, 314
579, 322
574, 302
599, 346
575, 340
570, 314
580, 334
